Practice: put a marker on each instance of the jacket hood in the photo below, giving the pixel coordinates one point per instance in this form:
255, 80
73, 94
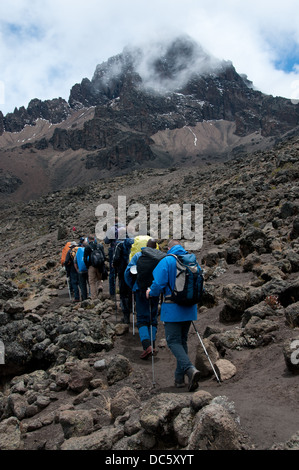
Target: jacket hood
177, 250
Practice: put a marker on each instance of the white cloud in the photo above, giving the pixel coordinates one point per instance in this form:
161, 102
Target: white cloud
47, 46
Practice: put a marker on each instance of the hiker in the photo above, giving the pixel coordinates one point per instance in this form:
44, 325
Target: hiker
95, 269
111, 239
71, 270
64, 252
140, 241
120, 262
82, 269
176, 318
146, 309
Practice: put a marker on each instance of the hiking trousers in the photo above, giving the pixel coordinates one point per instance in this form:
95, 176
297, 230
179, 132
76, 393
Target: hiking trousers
176, 334
112, 283
74, 280
83, 284
147, 317
94, 278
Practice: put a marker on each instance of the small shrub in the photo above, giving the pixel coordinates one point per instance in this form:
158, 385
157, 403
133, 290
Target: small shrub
273, 301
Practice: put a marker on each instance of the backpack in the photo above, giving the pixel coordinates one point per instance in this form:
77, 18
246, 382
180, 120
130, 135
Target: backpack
139, 242
146, 263
118, 262
188, 286
80, 259
97, 256
64, 252
73, 253
70, 256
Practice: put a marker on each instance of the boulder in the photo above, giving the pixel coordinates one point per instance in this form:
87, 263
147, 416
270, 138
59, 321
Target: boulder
216, 429
199, 399
259, 331
139, 441
261, 310
8, 289
118, 368
159, 412
295, 229
253, 239
213, 256
226, 369
237, 299
182, 426
103, 439
125, 398
201, 361
14, 306
79, 379
76, 423
292, 314
10, 435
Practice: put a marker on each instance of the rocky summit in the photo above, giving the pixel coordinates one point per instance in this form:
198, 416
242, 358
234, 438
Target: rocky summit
165, 125
167, 104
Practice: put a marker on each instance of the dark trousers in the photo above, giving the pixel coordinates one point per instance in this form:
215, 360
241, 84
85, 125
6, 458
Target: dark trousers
125, 294
83, 284
111, 272
176, 334
74, 279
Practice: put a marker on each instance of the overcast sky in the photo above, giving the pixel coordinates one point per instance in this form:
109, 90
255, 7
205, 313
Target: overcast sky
46, 46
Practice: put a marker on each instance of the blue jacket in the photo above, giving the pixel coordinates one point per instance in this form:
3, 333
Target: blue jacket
164, 279
130, 279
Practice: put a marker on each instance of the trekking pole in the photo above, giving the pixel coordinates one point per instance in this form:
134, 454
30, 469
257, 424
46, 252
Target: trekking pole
133, 271
152, 345
133, 311
115, 278
68, 286
206, 353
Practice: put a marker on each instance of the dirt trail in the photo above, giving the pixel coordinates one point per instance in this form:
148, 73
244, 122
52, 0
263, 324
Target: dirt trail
264, 392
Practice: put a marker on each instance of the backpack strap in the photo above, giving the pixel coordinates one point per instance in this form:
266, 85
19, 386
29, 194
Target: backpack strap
167, 299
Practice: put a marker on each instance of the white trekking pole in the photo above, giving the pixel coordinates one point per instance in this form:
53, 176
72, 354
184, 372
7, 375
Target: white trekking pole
115, 299
133, 310
133, 271
68, 286
206, 353
152, 345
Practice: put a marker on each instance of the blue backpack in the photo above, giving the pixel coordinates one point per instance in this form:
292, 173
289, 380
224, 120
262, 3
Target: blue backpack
189, 281
80, 260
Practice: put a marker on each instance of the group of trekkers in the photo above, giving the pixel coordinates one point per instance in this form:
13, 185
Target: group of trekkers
148, 281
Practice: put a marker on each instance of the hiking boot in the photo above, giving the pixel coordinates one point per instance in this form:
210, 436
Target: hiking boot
194, 376
146, 353
179, 384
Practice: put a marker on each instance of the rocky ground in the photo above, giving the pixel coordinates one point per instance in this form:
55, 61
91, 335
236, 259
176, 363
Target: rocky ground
72, 377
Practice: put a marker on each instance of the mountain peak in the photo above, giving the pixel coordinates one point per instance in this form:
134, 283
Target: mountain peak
164, 104
161, 66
